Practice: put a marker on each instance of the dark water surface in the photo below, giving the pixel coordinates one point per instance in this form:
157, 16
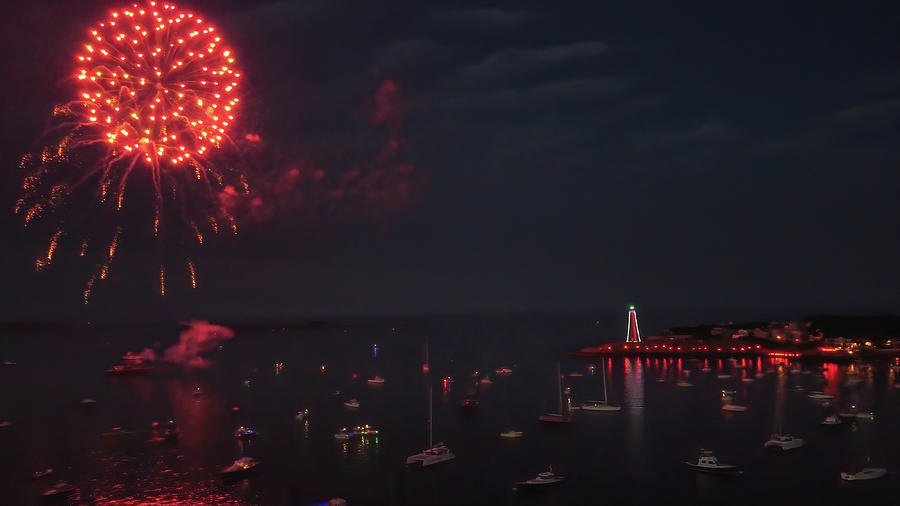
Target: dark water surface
631, 457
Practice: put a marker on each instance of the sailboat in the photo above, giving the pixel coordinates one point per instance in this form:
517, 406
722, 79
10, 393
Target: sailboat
435, 453
600, 405
557, 417
780, 440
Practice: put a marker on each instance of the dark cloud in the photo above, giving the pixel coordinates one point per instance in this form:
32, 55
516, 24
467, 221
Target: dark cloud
481, 19
512, 64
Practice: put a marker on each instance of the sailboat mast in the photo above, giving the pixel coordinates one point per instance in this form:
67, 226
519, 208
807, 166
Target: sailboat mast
559, 384
603, 362
430, 443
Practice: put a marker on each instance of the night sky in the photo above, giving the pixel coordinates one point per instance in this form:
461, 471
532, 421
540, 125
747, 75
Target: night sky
550, 157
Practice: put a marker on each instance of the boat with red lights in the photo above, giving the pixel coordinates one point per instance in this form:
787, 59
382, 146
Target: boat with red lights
59, 490
127, 369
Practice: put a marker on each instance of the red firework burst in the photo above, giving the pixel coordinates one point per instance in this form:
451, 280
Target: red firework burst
157, 92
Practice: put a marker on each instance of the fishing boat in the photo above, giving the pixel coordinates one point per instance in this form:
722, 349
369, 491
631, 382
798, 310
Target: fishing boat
58, 490
706, 462
601, 405
544, 479
435, 453
560, 417
868, 473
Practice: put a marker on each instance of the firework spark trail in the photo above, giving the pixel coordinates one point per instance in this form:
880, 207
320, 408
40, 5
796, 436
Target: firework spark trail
157, 94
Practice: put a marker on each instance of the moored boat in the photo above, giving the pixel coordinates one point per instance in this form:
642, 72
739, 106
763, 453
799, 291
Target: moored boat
706, 462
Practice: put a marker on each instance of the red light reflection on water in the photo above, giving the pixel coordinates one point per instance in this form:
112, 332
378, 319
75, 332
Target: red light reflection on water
832, 379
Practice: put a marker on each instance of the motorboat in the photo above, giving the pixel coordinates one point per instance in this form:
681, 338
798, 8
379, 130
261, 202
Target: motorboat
42, 473
728, 392
543, 479
748, 380
197, 392
723, 376
351, 404
5, 423
486, 380
819, 396
87, 402
116, 432
575, 375
706, 369
797, 388
783, 442
866, 415
706, 462
734, 407
241, 467
244, 433
503, 371
559, 417
512, 434
435, 453
684, 383
359, 431
831, 420
661, 380
302, 415
759, 375
59, 489
126, 369
868, 473
376, 381
469, 405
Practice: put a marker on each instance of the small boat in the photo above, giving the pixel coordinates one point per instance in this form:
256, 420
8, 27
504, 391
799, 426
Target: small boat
87, 402
469, 405
560, 417
723, 376
866, 415
336, 392
376, 381
5, 423
706, 369
351, 404
708, 463
820, 396
302, 415
684, 383
503, 371
868, 473
546, 478
783, 442
244, 433
748, 380
759, 375
241, 467
486, 380
734, 407
598, 406
512, 434
60, 489
575, 375
661, 380
728, 392
197, 392
42, 473
8, 362
831, 420
126, 369
357, 432
116, 432
797, 388
686, 373
434, 455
